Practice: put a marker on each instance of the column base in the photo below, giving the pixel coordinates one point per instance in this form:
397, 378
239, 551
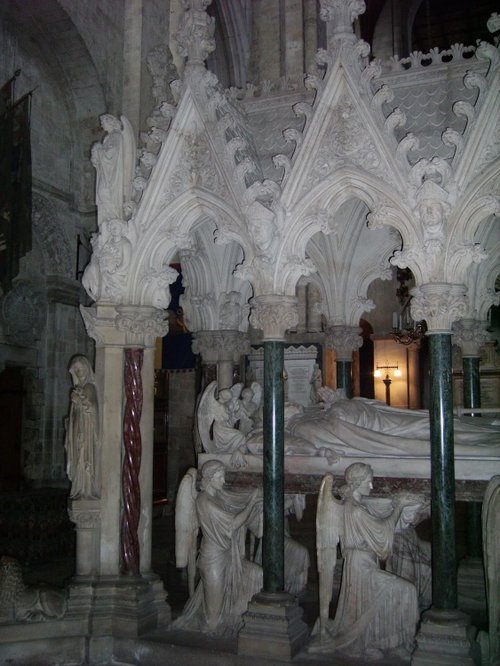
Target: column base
273, 627
446, 638
119, 606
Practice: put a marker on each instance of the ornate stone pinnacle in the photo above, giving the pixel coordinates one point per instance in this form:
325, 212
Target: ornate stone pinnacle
195, 36
274, 315
341, 14
440, 304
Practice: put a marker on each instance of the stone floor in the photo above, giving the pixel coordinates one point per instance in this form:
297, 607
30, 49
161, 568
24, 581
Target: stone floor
185, 648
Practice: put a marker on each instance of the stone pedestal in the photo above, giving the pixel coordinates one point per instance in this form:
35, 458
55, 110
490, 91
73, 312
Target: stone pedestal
273, 627
446, 638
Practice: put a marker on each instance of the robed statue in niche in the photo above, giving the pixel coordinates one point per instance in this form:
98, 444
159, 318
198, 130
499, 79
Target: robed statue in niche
82, 432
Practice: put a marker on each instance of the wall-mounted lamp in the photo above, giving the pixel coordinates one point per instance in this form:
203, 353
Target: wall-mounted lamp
387, 379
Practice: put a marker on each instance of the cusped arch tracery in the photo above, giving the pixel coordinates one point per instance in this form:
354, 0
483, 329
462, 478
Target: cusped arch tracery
385, 207
174, 232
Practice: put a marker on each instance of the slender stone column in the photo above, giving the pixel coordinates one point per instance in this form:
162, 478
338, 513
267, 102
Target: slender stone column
274, 491
444, 636
146, 472
273, 625
132, 441
344, 340
470, 335
444, 561
440, 304
412, 356
274, 315
141, 604
224, 348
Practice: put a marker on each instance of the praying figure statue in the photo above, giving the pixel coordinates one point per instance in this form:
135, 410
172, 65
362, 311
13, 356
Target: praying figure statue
377, 611
82, 432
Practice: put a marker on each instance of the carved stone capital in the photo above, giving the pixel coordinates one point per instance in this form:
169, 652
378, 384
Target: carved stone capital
141, 325
344, 340
124, 325
470, 335
440, 304
195, 36
220, 345
274, 315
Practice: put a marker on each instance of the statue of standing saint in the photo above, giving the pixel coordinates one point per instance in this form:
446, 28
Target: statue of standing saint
114, 161
82, 432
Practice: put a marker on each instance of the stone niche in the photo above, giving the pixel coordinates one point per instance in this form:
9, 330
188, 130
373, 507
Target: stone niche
300, 364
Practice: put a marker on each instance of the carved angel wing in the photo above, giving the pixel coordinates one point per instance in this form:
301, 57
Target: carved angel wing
187, 526
236, 390
329, 529
208, 409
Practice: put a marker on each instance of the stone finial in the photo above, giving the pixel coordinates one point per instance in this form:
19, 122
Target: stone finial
341, 14
195, 36
274, 315
470, 335
344, 340
440, 304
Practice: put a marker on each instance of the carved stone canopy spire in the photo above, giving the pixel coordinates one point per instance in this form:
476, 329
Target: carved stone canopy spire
195, 36
341, 14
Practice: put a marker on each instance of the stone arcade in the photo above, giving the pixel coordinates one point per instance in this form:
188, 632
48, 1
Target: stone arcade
296, 173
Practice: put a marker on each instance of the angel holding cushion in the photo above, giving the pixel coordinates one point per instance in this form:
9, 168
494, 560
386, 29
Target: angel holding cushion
377, 611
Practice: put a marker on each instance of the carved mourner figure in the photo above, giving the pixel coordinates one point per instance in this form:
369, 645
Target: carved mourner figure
227, 579
82, 431
377, 611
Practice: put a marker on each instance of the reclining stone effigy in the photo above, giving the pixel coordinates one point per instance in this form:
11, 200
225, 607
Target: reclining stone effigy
339, 431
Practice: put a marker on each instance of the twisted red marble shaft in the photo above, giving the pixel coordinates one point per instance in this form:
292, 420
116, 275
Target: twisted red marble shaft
131, 491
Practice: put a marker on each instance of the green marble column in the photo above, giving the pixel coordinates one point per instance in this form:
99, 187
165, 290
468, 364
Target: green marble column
472, 386
472, 399
274, 428
444, 558
344, 376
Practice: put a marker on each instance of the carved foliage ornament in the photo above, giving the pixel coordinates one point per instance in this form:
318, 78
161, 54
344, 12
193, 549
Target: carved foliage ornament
274, 315
440, 304
220, 345
344, 340
470, 335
